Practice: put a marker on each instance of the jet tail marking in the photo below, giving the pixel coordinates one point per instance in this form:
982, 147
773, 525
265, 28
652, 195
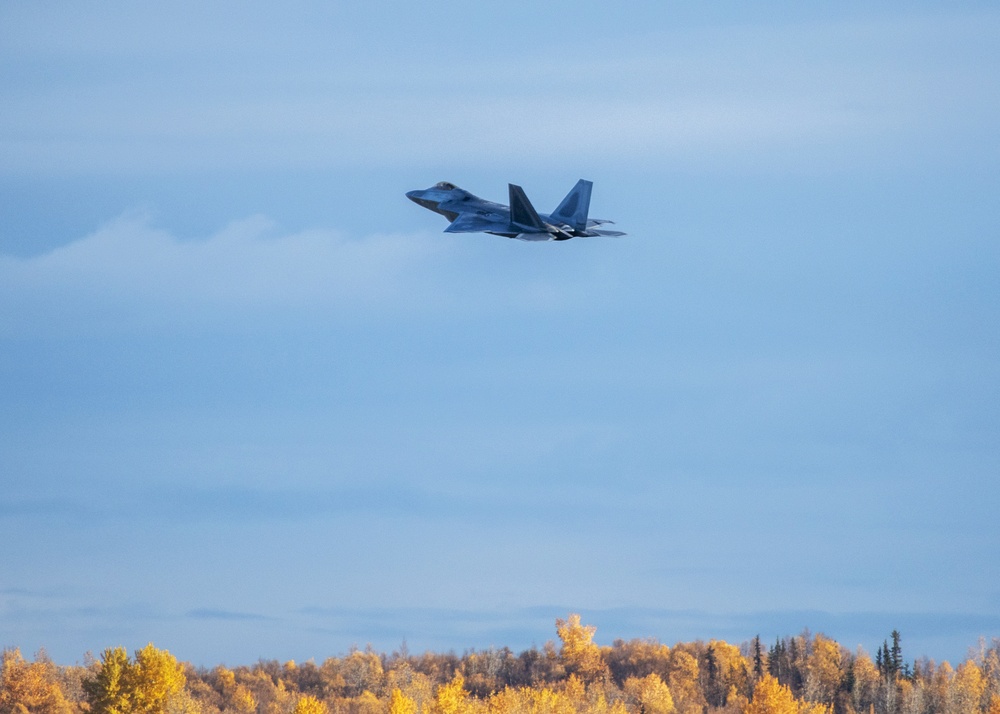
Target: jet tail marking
522, 214
575, 207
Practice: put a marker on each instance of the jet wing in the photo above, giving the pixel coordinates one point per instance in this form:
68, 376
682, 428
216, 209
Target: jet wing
474, 223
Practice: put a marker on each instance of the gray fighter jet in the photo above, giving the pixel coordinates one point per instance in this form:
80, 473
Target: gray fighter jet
471, 214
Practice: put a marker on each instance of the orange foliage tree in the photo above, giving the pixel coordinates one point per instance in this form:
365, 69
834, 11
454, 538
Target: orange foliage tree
30, 688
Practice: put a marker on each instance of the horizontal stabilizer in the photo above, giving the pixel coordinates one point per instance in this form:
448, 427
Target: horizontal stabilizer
522, 214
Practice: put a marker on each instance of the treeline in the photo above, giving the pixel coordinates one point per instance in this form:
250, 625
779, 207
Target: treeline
805, 674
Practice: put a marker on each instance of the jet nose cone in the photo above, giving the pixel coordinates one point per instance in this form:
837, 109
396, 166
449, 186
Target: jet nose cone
414, 195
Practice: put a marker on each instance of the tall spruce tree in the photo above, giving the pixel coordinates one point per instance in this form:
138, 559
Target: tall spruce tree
776, 661
712, 693
896, 654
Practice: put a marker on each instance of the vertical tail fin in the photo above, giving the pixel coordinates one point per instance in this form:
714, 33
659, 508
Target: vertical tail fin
575, 207
522, 214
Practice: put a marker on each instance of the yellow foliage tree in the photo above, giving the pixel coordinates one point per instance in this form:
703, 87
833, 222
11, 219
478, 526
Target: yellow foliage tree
600, 706
772, 697
183, 703
649, 695
155, 677
225, 680
576, 692
967, 689
452, 698
29, 688
506, 701
109, 690
367, 703
416, 686
824, 670
530, 700
736, 702
399, 703
548, 701
362, 671
911, 696
683, 682
243, 700
308, 704
939, 688
144, 686
579, 654
866, 681
637, 658
814, 708
271, 697
991, 672
734, 670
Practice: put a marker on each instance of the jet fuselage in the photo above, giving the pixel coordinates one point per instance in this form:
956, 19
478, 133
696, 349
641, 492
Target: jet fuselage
469, 213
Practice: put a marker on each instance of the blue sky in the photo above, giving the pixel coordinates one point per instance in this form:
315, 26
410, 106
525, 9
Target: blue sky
253, 403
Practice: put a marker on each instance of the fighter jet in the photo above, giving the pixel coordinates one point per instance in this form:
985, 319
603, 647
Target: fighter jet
471, 214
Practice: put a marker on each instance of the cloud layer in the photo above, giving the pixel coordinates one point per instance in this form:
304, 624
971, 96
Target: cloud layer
791, 94
129, 274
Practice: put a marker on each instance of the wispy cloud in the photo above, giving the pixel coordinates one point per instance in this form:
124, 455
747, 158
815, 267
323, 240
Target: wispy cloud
788, 93
206, 613
147, 504
129, 272
130, 275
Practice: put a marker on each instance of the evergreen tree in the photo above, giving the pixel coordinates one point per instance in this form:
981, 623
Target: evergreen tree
711, 686
795, 661
775, 660
896, 654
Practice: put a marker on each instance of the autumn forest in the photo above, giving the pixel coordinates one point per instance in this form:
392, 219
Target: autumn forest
803, 674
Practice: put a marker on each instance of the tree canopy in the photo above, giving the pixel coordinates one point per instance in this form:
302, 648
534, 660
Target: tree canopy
802, 674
